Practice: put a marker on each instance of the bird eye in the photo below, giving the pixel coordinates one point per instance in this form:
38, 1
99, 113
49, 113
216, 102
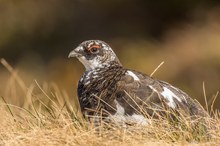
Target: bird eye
94, 49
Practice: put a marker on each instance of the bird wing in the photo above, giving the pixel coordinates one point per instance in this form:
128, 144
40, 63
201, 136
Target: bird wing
137, 92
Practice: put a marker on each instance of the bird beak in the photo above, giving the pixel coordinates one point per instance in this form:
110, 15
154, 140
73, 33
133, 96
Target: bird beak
73, 54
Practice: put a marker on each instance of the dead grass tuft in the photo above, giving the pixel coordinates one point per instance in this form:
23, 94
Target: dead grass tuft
47, 117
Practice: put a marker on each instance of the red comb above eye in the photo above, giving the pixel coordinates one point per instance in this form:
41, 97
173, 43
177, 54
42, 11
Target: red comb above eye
94, 46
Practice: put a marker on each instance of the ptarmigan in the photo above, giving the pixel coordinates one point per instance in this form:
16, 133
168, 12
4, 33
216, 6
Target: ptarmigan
108, 89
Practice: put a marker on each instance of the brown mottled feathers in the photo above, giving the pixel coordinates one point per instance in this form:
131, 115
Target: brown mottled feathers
107, 88
135, 96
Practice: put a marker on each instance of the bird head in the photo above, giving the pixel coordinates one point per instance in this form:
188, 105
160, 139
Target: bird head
94, 54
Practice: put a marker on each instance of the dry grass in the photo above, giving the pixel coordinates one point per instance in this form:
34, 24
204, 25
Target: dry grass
48, 117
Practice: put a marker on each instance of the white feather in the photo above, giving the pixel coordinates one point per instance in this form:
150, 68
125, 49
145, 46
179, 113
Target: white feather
121, 118
90, 64
119, 109
138, 119
169, 95
133, 75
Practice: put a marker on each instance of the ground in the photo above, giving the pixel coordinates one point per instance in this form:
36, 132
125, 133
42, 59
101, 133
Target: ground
46, 115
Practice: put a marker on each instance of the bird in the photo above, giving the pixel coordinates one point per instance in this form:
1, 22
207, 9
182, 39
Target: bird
107, 89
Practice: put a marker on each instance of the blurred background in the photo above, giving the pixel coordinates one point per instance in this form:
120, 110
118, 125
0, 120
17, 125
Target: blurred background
36, 37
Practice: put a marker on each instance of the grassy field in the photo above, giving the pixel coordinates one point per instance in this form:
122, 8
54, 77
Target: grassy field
48, 117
